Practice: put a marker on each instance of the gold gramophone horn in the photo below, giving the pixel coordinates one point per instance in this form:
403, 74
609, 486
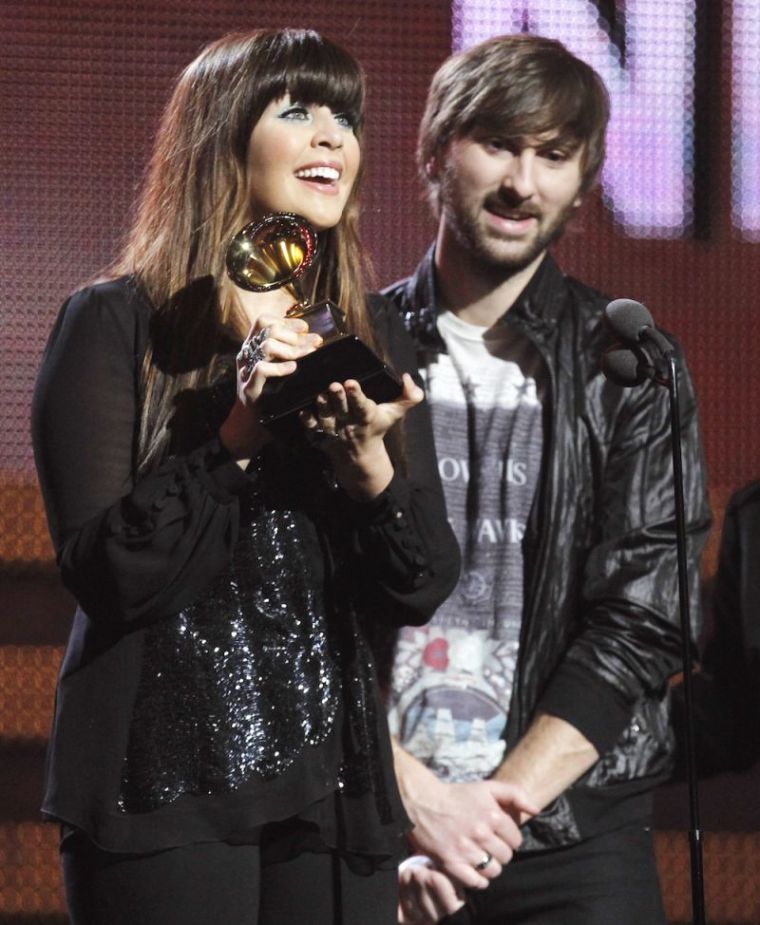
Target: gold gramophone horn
272, 253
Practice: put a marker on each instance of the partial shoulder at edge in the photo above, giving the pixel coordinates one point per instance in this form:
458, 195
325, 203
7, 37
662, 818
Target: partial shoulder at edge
746, 496
395, 291
103, 311
120, 296
112, 293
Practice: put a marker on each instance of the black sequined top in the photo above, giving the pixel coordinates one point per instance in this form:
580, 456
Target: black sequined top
247, 677
217, 675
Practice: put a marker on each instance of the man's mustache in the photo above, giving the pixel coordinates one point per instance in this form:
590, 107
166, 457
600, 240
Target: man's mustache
504, 202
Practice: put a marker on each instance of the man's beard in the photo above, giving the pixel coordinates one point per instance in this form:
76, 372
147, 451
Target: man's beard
483, 250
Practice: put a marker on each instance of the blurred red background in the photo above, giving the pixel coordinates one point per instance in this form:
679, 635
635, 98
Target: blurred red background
83, 85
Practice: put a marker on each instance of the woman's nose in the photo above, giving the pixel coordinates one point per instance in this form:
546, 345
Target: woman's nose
327, 132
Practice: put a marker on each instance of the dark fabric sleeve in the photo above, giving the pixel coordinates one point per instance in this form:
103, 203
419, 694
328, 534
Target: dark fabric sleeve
408, 552
732, 653
726, 692
628, 645
130, 551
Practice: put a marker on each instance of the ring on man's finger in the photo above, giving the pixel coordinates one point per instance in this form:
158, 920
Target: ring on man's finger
487, 858
251, 353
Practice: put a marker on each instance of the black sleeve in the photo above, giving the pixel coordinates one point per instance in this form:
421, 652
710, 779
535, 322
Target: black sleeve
129, 550
407, 548
727, 690
629, 642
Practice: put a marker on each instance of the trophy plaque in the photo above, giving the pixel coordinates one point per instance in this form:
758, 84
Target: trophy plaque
274, 253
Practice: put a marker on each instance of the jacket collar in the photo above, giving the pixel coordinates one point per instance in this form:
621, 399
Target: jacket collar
537, 308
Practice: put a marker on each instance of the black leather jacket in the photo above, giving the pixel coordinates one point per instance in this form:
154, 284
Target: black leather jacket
600, 633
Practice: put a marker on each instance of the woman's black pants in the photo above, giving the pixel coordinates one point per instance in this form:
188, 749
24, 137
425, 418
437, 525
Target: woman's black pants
221, 884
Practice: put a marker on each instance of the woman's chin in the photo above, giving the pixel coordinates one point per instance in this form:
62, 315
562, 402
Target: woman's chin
321, 219
321, 210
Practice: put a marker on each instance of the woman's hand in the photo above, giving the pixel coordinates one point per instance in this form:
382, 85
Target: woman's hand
271, 349
426, 895
354, 426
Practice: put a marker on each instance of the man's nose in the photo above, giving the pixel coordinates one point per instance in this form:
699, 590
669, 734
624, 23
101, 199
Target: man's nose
519, 176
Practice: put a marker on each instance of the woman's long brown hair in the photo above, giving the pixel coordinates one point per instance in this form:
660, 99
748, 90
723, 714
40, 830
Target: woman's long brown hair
195, 198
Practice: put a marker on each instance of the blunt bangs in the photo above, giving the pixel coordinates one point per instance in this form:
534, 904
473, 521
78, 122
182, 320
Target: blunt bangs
311, 70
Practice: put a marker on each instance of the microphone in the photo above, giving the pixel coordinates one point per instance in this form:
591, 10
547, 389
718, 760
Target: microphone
627, 367
633, 324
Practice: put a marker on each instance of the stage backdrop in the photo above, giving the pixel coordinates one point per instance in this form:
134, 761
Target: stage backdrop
675, 224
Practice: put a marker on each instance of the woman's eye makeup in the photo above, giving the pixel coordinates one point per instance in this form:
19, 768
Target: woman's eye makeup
298, 112
295, 111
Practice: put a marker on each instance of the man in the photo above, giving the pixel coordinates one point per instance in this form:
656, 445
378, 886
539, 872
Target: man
537, 696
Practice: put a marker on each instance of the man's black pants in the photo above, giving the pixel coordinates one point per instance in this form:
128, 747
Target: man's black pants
610, 879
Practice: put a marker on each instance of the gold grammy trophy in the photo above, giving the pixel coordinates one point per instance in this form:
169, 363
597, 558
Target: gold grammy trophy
274, 253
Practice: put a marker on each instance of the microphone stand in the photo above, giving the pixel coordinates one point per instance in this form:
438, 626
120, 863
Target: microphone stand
667, 374
632, 322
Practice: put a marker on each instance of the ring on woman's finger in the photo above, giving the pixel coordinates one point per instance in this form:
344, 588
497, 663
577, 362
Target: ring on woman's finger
251, 352
487, 858
321, 432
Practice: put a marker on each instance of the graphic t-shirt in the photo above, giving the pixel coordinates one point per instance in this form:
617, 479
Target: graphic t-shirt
452, 679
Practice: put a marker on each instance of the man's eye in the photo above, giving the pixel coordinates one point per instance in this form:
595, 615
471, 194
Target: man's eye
556, 155
499, 144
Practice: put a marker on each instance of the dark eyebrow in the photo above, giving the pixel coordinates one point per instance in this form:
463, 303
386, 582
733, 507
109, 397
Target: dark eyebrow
568, 143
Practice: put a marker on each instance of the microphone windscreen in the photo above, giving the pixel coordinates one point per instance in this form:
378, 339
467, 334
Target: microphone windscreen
623, 367
626, 318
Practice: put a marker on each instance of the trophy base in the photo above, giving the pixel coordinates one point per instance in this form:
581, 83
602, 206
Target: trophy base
347, 357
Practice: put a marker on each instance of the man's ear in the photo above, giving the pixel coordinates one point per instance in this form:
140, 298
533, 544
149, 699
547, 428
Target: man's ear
433, 168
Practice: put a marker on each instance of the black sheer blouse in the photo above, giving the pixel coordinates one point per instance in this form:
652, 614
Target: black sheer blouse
217, 676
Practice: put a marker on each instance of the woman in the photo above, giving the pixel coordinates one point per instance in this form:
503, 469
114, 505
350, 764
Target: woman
218, 751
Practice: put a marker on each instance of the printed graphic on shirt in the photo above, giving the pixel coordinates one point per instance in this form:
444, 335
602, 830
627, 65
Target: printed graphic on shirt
452, 680
450, 685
